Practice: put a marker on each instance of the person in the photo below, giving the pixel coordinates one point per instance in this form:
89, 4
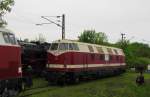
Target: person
140, 79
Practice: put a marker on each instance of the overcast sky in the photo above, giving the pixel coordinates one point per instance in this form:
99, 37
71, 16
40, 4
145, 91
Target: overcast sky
110, 16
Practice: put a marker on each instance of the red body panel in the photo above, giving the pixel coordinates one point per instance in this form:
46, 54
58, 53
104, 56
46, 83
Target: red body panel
79, 58
10, 61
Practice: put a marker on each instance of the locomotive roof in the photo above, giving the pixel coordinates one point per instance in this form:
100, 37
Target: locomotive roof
75, 41
4, 30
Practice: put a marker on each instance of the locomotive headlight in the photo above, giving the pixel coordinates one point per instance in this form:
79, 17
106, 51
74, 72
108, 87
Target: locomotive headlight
47, 65
19, 70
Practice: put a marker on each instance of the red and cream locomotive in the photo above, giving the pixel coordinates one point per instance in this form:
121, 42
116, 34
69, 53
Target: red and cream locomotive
10, 63
69, 61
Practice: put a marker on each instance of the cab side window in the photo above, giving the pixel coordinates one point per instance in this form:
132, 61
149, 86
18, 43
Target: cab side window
6, 38
73, 46
12, 39
63, 46
54, 46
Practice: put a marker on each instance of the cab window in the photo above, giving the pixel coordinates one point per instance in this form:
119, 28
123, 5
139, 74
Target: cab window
12, 39
73, 46
9, 38
63, 46
54, 46
6, 38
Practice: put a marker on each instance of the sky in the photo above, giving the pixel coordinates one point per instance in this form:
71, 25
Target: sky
113, 17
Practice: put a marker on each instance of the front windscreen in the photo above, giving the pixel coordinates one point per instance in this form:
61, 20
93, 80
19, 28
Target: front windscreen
73, 46
63, 46
12, 39
9, 38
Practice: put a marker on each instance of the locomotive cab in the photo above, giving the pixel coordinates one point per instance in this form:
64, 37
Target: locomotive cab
60, 47
10, 63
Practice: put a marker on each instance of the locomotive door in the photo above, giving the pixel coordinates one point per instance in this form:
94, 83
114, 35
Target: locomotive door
67, 60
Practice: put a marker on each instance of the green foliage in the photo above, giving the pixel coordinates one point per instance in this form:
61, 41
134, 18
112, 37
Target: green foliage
5, 6
137, 54
122, 44
141, 64
140, 49
91, 36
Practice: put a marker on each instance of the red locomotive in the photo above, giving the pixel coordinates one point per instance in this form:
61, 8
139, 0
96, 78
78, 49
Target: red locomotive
10, 63
70, 61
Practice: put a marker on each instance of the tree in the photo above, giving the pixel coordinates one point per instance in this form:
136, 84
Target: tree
5, 6
91, 36
140, 49
137, 54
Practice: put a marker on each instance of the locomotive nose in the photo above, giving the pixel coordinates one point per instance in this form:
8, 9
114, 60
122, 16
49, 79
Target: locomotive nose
53, 57
56, 58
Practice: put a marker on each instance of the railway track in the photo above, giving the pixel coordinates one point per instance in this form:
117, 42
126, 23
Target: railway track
36, 90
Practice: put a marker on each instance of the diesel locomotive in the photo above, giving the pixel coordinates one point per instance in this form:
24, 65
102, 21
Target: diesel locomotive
10, 64
71, 61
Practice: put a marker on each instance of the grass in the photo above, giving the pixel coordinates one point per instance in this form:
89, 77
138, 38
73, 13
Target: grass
118, 86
